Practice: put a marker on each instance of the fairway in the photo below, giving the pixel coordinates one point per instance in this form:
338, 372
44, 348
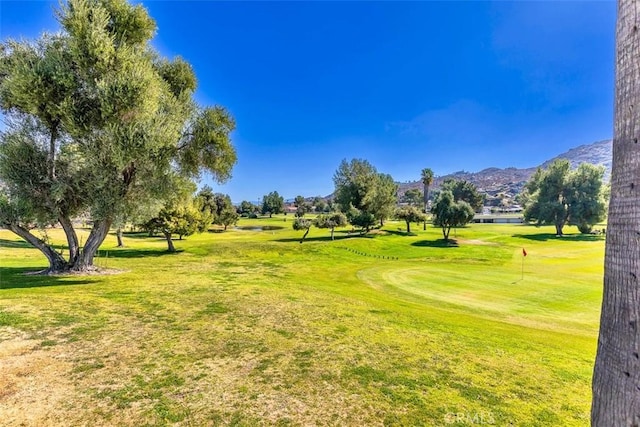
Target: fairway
249, 327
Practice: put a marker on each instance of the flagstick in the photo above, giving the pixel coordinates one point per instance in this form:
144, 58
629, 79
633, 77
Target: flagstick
522, 276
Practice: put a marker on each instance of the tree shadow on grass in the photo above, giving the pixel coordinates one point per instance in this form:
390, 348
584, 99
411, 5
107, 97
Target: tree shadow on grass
135, 253
440, 243
325, 238
21, 244
27, 277
401, 233
543, 237
139, 235
4, 243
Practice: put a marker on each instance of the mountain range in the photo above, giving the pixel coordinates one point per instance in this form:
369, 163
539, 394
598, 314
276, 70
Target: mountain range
502, 185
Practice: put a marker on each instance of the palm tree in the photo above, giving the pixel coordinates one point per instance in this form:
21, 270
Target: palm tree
616, 376
427, 179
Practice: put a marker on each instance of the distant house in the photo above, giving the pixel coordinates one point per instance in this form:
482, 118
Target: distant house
290, 209
497, 219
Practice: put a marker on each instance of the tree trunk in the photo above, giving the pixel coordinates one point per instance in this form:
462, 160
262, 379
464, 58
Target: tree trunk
57, 263
170, 246
559, 229
95, 239
305, 235
445, 232
119, 237
408, 227
72, 238
616, 376
332, 228
52, 151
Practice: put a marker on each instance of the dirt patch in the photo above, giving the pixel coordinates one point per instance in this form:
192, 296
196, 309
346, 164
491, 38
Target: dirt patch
95, 271
33, 383
476, 242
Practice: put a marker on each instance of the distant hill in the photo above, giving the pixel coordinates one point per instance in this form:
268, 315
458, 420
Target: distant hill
501, 184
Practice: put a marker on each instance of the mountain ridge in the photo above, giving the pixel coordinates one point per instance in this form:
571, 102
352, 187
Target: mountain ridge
501, 185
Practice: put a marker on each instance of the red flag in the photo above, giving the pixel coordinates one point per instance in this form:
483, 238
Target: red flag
524, 253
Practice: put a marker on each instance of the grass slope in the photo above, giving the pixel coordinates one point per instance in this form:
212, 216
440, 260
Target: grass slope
249, 327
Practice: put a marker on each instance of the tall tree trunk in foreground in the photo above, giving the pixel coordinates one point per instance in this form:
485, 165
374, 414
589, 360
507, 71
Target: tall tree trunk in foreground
616, 376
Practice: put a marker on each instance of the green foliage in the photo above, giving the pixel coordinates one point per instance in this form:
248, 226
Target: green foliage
353, 182
363, 193
207, 145
585, 197
302, 206
559, 196
331, 221
381, 201
319, 204
218, 205
272, 203
98, 120
247, 208
448, 213
414, 197
410, 214
465, 191
302, 224
364, 220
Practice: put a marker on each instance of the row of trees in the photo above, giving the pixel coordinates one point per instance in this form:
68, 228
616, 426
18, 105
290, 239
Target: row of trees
184, 214
273, 203
367, 197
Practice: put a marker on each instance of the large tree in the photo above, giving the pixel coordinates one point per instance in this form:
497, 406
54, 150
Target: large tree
544, 196
98, 120
448, 213
616, 378
272, 203
586, 197
559, 196
247, 208
465, 191
218, 205
363, 194
383, 198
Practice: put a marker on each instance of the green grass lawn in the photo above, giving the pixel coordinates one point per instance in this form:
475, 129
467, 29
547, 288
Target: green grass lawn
249, 327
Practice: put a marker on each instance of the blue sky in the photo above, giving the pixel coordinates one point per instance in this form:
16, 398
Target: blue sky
406, 85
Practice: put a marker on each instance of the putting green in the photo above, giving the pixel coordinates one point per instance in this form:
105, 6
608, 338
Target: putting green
539, 298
